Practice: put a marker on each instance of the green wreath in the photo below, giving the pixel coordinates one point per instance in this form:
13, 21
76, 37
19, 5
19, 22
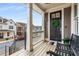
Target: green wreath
56, 23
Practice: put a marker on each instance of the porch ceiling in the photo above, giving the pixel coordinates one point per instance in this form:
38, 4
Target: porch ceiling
46, 6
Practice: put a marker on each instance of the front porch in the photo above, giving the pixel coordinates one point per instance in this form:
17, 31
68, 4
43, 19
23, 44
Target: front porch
39, 50
68, 24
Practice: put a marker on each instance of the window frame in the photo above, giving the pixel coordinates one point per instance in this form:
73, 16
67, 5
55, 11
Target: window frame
1, 35
11, 27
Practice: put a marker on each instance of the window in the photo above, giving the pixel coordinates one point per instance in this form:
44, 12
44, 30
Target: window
19, 33
8, 33
56, 15
5, 20
10, 22
37, 27
76, 18
0, 20
75, 10
19, 28
0, 27
53, 15
10, 27
1, 35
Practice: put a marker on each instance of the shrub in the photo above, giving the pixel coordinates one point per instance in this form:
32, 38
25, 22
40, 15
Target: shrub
6, 38
66, 41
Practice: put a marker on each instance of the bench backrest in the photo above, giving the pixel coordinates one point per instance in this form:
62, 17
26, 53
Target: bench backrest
75, 42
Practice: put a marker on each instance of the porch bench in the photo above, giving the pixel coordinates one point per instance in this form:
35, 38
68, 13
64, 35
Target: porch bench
63, 50
71, 50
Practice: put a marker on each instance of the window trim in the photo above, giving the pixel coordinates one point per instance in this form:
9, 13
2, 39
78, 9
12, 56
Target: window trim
11, 27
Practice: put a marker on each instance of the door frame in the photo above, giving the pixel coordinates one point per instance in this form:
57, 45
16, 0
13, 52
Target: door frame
60, 11
62, 20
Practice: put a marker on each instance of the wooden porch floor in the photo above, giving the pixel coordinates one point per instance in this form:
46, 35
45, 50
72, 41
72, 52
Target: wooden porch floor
39, 50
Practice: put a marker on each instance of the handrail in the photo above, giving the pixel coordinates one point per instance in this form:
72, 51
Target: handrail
12, 47
6, 41
5, 44
38, 31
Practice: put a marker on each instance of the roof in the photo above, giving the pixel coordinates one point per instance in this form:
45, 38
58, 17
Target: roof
47, 6
12, 21
5, 19
21, 23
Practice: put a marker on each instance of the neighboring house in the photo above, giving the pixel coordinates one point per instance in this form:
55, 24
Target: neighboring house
37, 28
21, 30
7, 28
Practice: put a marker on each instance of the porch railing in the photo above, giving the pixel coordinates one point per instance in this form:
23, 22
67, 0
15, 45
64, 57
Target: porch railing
4, 48
18, 45
37, 36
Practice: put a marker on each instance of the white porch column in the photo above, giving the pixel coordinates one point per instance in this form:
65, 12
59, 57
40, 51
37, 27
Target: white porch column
78, 18
72, 20
29, 45
43, 21
49, 26
62, 25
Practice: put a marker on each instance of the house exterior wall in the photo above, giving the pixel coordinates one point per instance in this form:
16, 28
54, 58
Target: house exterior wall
20, 30
11, 34
11, 24
4, 28
67, 22
46, 25
5, 35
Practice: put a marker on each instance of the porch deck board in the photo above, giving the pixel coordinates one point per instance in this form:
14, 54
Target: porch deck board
39, 50
45, 49
36, 49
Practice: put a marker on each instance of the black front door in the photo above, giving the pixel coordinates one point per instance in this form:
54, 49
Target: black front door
55, 26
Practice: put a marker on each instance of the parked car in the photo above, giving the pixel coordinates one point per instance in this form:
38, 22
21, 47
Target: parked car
20, 37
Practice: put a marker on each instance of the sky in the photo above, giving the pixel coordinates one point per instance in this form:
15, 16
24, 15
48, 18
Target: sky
18, 12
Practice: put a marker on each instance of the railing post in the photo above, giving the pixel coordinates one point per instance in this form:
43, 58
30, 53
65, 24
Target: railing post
5, 50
